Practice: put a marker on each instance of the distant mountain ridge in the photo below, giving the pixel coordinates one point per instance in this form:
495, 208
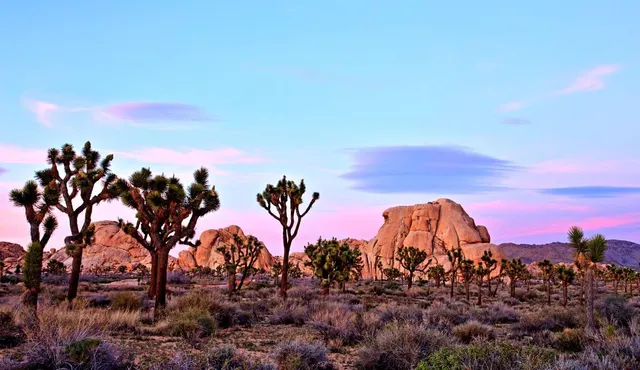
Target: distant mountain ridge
620, 252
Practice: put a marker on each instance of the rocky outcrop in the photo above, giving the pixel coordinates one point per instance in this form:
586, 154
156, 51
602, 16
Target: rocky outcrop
112, 248
11, 254
206, 255
433, 227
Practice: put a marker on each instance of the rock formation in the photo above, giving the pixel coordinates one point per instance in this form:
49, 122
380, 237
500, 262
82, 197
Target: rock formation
206, 255
11, 254
433, 227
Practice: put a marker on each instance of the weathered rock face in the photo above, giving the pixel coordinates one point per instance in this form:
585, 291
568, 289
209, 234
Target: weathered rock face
11, 254
206, 255
112, 248
433, 227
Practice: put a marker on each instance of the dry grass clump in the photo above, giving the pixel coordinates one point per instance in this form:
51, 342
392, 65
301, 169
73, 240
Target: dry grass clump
344, 323
394, 312
473, 330
302, 356
497, 313
215, 358
445, 315
400, 347
290, 312
126, 301
552, 319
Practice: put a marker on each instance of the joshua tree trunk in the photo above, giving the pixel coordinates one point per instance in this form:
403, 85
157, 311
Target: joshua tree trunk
582, 282
284, 280
512, 287
153, 276
74, 279
231, 281
161, 285
489, 285
480, 293
453, 283
410, 280
591, 324
466, 286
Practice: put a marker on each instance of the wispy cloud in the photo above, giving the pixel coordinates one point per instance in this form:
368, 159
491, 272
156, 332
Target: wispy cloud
42, 110
2, 170
591, 80
426, 169
515, 121
592, 191
192, 157
156, 112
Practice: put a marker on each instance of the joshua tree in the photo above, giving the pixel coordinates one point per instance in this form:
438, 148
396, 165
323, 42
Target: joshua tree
411, 259
547, 269
391, 273
454, 256
286, 198
240, 257
480, 272
616, 274
467, 271
490, 264
76, 176
55, 267
596, 247
166, 215
515, 270
37, 206
276, 270
295, 272
437, 274
333, 261
566, 276
579, 245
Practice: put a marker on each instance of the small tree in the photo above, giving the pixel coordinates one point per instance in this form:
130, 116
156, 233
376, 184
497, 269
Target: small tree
490, 264
547, 269
412, 259
437, 274
566, 276
286, 198
391, 273
332, 261
480, 273
240, 257
467, 272
122, 269
454, 256
166, 215
55, 267
18, 269
76, 180
515, 270
37, 206
276, 270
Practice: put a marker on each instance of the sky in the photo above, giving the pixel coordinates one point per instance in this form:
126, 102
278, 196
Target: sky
526, 113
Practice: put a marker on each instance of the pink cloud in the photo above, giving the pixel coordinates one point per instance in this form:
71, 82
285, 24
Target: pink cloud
516, 206
42, 110
18, 155
511, 106
591, 80
192, 157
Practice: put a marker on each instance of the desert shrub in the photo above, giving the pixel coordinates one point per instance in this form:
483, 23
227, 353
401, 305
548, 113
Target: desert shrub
569, 340
228, 314
497, 313
196, 299
615, 309
400, 347
93, 300
303, 293
602, 354
10, 334
177, 278
471, 330
125, 301
302, 356
216, 358
444, 316
397, 313
191, 325
289, 312
552, 319
494, 356
348, 324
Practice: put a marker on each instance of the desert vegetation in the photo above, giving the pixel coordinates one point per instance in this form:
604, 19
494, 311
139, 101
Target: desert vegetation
464, 312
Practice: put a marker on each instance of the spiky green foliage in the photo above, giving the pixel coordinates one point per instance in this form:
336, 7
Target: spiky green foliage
437, 274
167, 214
596, 248
490, 264
391, 273
32, 273
56, 267
333, 261
283, 202
412, 259
515, 270
240, 257
565, 274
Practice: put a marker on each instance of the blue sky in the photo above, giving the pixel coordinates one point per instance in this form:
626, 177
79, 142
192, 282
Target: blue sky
527, 114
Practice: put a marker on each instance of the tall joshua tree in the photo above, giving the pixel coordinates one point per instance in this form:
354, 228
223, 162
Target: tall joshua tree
548, 271
596, 247
467, 272
490, 264
579, 245
283, 202
411, 259
166, 215
566, 276
77, 175
37, 204
239, 257
455, 257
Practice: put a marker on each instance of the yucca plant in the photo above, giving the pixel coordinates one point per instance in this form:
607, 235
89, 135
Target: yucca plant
283, 202
167, 214
77, 176
38, 204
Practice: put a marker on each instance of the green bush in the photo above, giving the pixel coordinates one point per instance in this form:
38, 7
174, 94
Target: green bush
494, 356
192, 325
80, 352
126, 301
